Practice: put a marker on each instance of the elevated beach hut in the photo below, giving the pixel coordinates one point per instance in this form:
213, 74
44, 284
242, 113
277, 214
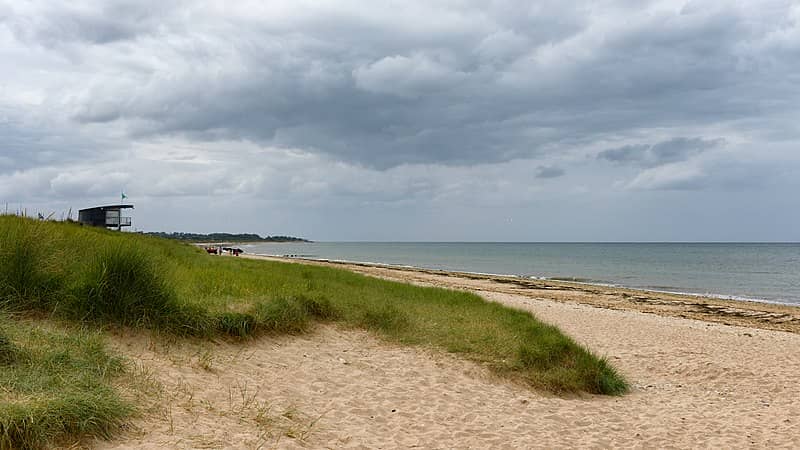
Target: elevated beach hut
109, 216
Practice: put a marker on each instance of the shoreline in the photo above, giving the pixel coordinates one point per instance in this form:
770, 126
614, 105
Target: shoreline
609, 284
729, 311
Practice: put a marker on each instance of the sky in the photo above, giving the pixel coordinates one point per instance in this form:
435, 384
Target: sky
434, 120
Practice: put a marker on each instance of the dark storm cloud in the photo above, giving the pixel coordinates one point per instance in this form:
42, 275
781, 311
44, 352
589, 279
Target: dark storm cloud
436, 83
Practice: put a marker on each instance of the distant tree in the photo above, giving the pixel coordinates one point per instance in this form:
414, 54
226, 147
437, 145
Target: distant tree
224, 237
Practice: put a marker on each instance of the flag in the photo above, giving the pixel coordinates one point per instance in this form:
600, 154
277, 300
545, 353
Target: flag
122, 194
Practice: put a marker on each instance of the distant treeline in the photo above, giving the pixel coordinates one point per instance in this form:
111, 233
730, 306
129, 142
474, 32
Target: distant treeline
225, 237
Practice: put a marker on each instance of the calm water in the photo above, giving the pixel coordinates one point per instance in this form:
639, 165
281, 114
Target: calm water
768, 272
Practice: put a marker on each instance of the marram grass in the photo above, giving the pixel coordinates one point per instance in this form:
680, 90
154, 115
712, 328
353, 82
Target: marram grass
57, 386
98, 277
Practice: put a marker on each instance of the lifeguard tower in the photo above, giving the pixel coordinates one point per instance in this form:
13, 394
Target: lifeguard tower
109, 216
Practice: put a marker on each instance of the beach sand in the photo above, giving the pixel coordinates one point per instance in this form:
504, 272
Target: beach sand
695, 383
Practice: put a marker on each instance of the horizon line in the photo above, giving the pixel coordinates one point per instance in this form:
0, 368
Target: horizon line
543, 242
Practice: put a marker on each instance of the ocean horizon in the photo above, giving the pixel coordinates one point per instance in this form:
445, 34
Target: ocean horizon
753, 271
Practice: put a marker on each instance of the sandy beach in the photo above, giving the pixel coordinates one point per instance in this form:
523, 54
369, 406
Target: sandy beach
704, 373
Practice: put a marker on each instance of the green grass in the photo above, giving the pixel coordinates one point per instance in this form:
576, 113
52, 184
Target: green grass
123, 285
29, 271
510, 341
56, 386
9, 353
97, 277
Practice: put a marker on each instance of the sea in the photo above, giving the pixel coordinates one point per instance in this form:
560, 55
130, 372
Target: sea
767, 272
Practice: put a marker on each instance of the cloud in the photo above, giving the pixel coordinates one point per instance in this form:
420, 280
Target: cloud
549, 172
426, 103
25, 145
665, 152
625, 154
373, 86
674, 176
406, 76
728, 171
59, 24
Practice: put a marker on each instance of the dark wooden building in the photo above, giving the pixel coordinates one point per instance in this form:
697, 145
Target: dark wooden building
105, 216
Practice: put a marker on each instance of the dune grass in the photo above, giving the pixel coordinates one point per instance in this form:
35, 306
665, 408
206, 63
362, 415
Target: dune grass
511, 342
56, 386
97, 277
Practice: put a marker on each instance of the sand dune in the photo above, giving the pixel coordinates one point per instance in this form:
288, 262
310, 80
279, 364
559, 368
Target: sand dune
695, 384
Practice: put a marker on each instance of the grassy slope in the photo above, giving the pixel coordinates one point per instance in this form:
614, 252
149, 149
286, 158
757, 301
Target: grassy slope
510, 341
96, 277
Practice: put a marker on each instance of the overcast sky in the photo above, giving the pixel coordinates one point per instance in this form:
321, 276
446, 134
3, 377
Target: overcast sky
626, 120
